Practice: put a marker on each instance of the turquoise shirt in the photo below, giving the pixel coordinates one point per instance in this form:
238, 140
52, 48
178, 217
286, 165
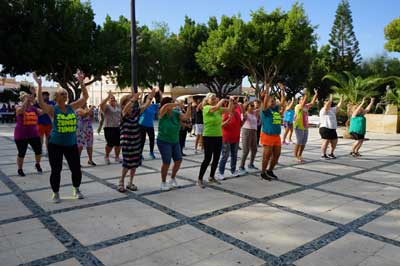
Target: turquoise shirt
64, 127
271, 121
358, 125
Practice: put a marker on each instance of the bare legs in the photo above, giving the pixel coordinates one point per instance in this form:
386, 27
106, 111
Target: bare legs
356, 146
89, 151
108, 150
165, 167
287, 131
198, 142
271, 156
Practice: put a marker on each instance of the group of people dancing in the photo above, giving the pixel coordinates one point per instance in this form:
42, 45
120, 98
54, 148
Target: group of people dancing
220, 125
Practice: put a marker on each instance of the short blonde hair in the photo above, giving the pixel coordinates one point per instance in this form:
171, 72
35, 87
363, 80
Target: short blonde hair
22, 95
208, 97
57, 92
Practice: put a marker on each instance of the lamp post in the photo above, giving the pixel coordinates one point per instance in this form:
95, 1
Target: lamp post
133, 48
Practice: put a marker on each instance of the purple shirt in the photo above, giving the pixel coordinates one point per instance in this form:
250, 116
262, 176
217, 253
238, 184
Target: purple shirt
27, 124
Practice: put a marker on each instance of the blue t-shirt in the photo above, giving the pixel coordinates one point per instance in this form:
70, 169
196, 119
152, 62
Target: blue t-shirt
288, 116
271, 121
147, 117
45, 119
64, 127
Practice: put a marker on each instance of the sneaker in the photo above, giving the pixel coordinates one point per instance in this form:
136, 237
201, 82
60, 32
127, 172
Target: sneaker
76, 193
152, 156
265, 177
107, 160
55, 197
21, 172
219, 176
38, 168
252, 166
291, 142
235, 174
201, 184
285, 143
213, 180
332, 156
173, 183
91, 163
271, 174
242, 171
118, 160
165, 186
324, 157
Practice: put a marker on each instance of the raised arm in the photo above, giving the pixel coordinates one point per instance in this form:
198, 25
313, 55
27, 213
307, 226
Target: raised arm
358, 108
340, 103
328, 103
267, 99
283, 97
199, 106
103, 103
22, 108
371, 103
84, 95
167, 107
226, 121
187, 115
314, 99
149, 98
303, 102
46, 108
128, 106
290, 106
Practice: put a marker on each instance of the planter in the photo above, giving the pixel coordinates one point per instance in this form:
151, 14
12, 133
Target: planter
379, 123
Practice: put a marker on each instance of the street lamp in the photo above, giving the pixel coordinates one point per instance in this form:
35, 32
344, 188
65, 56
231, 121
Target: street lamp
133, 48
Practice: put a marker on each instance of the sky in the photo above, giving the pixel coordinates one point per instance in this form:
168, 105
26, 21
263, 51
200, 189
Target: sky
369, 16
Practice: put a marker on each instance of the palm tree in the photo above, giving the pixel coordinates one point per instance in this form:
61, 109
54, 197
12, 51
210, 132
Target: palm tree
354, 89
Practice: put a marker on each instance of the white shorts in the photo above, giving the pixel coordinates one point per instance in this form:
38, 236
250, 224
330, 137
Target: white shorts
199, 129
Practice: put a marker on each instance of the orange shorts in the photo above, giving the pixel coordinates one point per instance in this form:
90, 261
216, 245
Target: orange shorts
270, 140
44, 130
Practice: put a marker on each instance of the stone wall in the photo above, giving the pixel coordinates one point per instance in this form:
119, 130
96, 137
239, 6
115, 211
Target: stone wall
383, 123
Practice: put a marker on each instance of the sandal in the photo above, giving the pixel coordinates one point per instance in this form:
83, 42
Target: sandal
121, 188
132, 187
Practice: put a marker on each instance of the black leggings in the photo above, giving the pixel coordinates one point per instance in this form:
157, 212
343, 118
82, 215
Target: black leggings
212, 149
71, 153
182, 138
22, 146
150, 133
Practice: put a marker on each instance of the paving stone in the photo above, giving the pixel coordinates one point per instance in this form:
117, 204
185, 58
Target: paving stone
387, 225
11, 207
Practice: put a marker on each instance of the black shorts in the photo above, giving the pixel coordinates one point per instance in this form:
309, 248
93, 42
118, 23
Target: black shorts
327, 133
357, 136
22, 146
112, 135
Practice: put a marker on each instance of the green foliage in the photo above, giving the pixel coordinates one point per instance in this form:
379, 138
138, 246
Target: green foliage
393, 96
355, 88
392, 35
319, 68
345, 47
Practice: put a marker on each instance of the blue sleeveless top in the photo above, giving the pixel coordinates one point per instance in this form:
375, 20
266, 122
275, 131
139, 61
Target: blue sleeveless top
64, 127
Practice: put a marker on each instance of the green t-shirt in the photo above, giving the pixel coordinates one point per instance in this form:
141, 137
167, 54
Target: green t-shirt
168, 127
358, 125
212, 122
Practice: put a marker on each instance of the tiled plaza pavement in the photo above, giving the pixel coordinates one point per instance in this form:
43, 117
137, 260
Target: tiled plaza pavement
325, 213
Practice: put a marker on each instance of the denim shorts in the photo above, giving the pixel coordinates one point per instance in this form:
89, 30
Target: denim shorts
168, 151
301, 136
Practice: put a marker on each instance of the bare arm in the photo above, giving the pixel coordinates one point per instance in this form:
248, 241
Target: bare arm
21, 109
328, 104
128, 106
84, 95
103, 103
357, 110
304, 100
46, 108
290, 106
148, 100
218, 106
340, 103
368, 109
167, 107
283, 98
226, 121
187, 115
314, 99
267, 99
199, 106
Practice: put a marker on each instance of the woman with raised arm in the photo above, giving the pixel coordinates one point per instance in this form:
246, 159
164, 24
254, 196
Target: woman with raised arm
62, 140
288, 118
26, 131
199, 126
328, 126
271, 114
249, 136
212, 135
84, 131
131, 141
169, 124
358, 125
301, 124
111, 123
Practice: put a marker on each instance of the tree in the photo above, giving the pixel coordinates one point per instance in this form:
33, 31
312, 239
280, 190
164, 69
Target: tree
392, 35
224, 71
54, 38
345, 51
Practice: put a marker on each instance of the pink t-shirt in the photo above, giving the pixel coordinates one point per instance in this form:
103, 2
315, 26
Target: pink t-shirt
231, 131
251, 121
27, 124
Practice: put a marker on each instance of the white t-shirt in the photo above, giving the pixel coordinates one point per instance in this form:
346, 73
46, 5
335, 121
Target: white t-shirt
251, 121
328, 119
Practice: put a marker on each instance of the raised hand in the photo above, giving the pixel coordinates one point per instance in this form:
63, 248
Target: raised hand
37, 79
135, 97
80, 76
315, 91
372, 99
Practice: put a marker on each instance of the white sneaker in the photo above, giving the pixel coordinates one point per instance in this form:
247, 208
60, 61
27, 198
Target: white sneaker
107, 160
219, 176
165, 186
118, 160
242, 171
173, 183
235, 174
